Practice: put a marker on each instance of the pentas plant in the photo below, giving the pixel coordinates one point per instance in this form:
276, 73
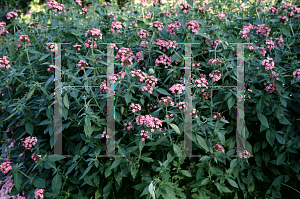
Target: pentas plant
149, 100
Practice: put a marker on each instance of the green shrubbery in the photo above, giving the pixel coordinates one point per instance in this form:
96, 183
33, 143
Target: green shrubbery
149, 89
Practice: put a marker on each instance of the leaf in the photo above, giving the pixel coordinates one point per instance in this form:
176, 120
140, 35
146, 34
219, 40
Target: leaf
53, 158
30, 94
222, 188
106, 189
150, 188
281, 158
186, 173
280, 139
116, 163
270, 137
71, 167
44, 57
232, 182
66, 101
147, 159
17, 180
286, 31
56, 183
86, 171
263, 119
176, 129
39, 183
89, 178
233, 163
230, 102
175, 56
128, 97
162, 91
29, 127
221, 137
202, 143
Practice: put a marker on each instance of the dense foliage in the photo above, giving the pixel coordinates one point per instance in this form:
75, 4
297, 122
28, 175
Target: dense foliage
149, 100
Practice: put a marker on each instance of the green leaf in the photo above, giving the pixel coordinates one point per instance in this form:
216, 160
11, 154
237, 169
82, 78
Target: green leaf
89, 178
202, 143
53, 158
176, 129
281, 158
17, 180
86, 171
204, 181
44, 57
29, 127
56, 183
147, 159
116, 163
162, 91
232, 182
286, 31
30, 94
222, 188
263, 119
233, 163
107, 189
71, 167
39, 183
66, 101
286, 121
270, 137
230, 102
128, 97
186, 173
221, 137
280, 139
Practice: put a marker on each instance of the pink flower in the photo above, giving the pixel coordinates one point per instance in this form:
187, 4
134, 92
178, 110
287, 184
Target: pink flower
178, 88
157, 24
5, 167
29, 142
135, 107
269, 63
4, 62
216, 75
143, 33
193, 25
50, 46
219, 116
220, 147
245, 154
36, 157
24, 38
116, 25
77, 46
39, 193
185, 7
82, 64
221, 16
214, 61
79, 2
12, 15
170, 28
85, 10
297, 72
56, 7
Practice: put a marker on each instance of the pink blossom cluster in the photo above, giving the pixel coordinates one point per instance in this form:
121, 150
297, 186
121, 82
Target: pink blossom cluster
152, 81
214, 61
85, 10
5, 167
242, 5
138, 56
12, 15
208, 94
206, 39
128, 125
270, 44
166, 101
24, 38
167, 117
278, 41
219, 147
82, 64
262, 50
50, 46
51, 68
116, 77
167, 14
283, 19
116, 25
194, 113
245, 31
77, 46
79, 2
276, 75
221, 16
163, 59
94, 35
3, 31
143, 33
126, 56
2, 24
139, 74
294, 10
270, 87
56, 7
104, 134
297, 72
157, 24
195, 64
178, 88
39, 193
148, 15
287, 5
216, 75
185, 7
245, 154
214, 42
201, 82
274, 9
192, 25
182, 105
135, 107
171, 28
201, 9
269, 63
166, 44
144, 135
106, 4
157, 1
135, 24
264, 31
29, 142
6, 188
219, 116
150, 122
143, 44
204, 3
36, 157
4, 62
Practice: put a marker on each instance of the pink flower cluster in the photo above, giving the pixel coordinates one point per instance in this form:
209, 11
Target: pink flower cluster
51, 68
167, 117
150, 122
135, 24
115, 78
216, 75
143, 44
201, 9
208, 94
143, 33
5, 167
214, 61
163, 59
128, 124
126, 56
24, 38
185, 7
195, 64
29, 142
79, 2
94, 35
135, 107
82, 64
201, 82
39, 193
157, 24
274, 9
6, 188
12, 15
51, 46
221, 16
166, 101
139, 74
178, 88
138, 56
269, 63
194, 113
160, 2
167, 14
85, 10
219, 147
245, 154
264, 31
278, 41
182, 105
56, 7
214, 42
245, 31
297, 72
283, 19
144, 135
270, 87
116, 25
3, 30
152, 81
219, 116
104, 135
36, 157
192, 25
166, 44
77, 46
148, 15
171, 28
4, 62
270, 44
